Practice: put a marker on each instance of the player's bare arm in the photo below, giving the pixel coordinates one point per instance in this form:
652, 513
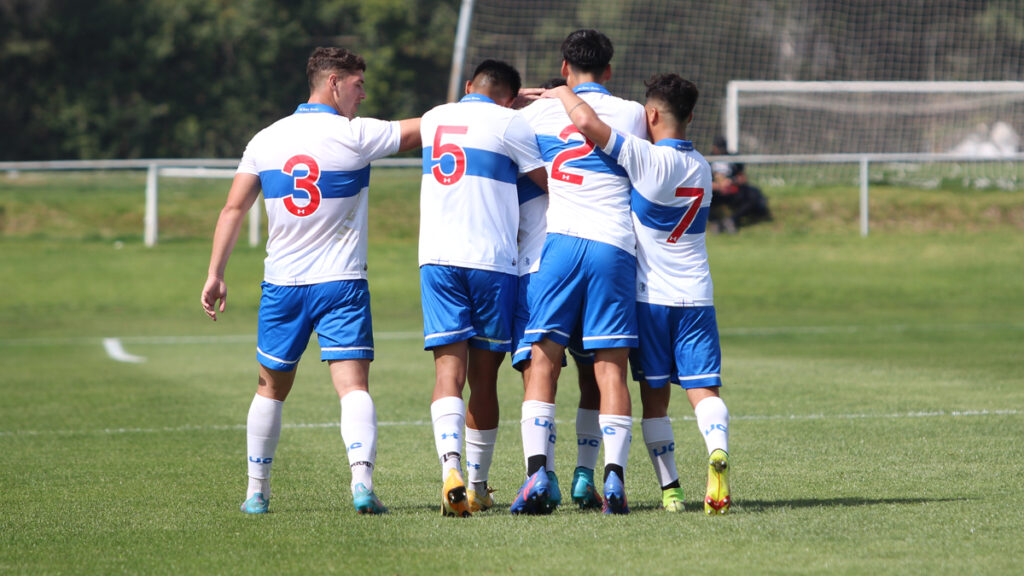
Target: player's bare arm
539, 177
245, 189
582, 115
410, 134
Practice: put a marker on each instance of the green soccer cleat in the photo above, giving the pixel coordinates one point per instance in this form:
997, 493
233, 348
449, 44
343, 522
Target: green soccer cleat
584, 492
366, 502
256, 504
717, 499
672, 500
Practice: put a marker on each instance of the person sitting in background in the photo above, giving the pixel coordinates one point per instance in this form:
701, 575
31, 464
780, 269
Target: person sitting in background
734, 201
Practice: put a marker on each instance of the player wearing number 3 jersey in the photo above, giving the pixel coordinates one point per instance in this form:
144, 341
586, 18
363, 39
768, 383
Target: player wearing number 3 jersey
675, 309
469, 216
314, 170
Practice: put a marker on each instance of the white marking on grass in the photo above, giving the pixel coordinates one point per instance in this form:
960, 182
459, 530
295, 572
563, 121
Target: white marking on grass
416, 423
117, 352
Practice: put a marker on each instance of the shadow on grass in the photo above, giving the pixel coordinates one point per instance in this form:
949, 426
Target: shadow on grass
766, 505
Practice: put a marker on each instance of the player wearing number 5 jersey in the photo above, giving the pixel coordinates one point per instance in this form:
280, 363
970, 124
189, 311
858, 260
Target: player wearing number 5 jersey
675, 308
314, 170
469, 216
586, 272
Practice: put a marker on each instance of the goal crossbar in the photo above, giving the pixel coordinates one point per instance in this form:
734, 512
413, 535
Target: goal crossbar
734, 87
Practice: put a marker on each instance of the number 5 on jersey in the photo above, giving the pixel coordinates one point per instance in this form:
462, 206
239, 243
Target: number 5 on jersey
439, 151
691, 211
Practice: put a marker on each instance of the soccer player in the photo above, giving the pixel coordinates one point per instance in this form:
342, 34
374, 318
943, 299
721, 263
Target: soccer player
586, 273
468, 267
675, 307
533, 205
314, 170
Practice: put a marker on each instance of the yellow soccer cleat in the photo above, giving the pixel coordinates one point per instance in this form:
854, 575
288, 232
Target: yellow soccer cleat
717, 500
453, 496
672, 500
480, 502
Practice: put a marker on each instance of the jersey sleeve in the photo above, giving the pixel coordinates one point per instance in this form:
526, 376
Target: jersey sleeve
632, 153
522, 144
377, 138
247, 165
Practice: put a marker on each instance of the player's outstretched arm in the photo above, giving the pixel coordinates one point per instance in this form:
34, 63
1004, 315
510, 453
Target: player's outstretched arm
410, 134
245, 189
582, 115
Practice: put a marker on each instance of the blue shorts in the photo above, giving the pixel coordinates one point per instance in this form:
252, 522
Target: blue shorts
467, 304
339, 312
522, 350
677, 344
587, 284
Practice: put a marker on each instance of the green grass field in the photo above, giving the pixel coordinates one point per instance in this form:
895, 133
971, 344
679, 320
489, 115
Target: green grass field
876, 388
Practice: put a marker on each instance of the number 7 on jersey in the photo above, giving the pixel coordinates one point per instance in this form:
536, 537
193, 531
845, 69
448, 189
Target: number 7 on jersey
691, 211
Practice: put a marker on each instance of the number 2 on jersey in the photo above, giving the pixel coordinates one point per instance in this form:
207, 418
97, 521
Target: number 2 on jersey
691, 211
454, 150
579, 151
305, 183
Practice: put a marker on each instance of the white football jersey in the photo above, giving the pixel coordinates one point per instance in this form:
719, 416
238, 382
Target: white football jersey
314, 167
588, 193
671, 199
533, 205
473, 150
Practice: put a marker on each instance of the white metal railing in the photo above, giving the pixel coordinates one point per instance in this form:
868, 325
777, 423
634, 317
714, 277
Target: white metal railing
178, 168
225, 168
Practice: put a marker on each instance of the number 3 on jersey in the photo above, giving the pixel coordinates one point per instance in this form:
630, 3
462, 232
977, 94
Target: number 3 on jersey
305, 183
691, 211
578, 151
440, 150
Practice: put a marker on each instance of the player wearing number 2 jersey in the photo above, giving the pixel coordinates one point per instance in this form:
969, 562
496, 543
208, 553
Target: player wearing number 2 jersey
314, 170
469, 216
675, 309
586, 270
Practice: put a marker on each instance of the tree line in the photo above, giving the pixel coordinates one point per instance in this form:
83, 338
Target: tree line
197, 78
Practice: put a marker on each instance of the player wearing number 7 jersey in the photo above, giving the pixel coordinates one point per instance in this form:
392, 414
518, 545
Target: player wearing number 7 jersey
675, 308
586, 272
469, 216
314, 170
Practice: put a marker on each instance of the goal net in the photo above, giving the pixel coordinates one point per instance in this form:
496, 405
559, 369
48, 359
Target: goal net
796, 41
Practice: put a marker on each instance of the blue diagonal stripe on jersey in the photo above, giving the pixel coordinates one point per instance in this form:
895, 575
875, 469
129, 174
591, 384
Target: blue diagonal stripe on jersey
332, 184
596, 161
665, 218
527, 189
480, 163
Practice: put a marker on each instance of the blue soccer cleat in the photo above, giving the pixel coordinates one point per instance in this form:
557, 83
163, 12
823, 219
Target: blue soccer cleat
584, 492
366, 502
614, 496
532, 497
256, 504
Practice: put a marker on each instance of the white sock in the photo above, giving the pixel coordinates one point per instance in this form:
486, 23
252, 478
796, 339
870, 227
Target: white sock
661, 447
617, 434
262, 432
538, 430
588, 437
713, 422
479, 453
359, 432
449, 417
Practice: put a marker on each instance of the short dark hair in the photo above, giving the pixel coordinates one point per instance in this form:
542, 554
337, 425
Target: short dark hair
679, 94
553, 83
330, 59
499, 73
588, 51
